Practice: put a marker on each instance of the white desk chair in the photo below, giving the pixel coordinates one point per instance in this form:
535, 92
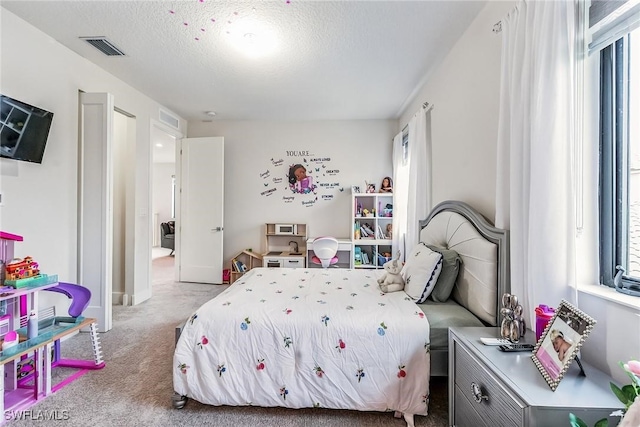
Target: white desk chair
325, 249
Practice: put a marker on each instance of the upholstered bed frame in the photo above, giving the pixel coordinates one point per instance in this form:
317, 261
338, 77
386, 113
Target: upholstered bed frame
482, 280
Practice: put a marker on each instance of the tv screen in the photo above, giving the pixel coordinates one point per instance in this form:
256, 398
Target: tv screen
23, 130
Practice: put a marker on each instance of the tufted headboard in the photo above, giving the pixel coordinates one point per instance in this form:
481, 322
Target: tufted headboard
484, 249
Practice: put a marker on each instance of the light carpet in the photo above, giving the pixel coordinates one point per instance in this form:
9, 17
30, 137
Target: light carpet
135, 387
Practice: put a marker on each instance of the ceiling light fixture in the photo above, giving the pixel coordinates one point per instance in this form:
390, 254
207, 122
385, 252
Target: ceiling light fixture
210, 113
158, 145
252, 37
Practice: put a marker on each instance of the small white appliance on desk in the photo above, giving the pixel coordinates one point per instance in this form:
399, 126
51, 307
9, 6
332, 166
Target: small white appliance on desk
286, 229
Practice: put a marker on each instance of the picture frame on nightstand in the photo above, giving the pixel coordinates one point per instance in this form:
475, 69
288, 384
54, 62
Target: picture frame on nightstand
560, 342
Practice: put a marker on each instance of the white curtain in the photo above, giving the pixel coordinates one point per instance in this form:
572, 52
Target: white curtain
412, 181
535, 182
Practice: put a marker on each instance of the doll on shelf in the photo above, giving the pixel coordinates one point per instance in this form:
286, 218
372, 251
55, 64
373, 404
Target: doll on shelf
387, 185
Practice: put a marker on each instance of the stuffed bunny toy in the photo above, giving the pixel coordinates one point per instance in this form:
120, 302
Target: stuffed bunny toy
391, 280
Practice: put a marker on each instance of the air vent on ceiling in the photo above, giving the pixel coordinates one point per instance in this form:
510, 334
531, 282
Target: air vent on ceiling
103, 45
169, 119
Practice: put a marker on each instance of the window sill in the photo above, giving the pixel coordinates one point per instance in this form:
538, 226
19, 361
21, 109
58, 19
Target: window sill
610, 294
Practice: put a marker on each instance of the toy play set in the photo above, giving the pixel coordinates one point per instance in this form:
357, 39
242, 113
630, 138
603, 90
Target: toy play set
30, 340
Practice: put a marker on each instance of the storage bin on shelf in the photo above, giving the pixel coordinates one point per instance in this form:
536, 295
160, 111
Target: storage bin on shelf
32, 282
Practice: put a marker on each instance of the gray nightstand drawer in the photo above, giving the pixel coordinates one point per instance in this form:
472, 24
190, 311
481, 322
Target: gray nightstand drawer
466, 414
496, 407
516, 393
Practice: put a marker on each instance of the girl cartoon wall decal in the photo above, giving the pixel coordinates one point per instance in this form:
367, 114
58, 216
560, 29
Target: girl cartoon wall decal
299, 181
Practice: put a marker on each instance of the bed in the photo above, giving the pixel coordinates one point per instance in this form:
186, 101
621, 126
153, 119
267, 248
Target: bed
330, 338
483, 278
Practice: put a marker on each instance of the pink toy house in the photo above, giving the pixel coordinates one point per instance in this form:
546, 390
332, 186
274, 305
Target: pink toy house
6, 250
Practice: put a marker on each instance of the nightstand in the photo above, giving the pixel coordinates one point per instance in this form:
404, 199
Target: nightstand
488, 387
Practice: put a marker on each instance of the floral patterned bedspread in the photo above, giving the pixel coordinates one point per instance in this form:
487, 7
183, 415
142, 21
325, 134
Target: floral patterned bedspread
307, 338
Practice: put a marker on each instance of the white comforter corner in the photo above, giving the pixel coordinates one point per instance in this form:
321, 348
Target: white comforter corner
307, 338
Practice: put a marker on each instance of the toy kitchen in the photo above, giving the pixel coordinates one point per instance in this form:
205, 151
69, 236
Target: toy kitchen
285, 245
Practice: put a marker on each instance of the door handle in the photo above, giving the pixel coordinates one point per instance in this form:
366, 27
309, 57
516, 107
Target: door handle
217, 229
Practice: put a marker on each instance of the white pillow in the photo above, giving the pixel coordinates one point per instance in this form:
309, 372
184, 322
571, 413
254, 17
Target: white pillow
420, 272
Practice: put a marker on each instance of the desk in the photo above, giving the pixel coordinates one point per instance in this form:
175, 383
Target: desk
345, 249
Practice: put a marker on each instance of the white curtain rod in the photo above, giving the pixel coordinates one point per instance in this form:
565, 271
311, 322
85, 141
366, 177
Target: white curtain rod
425, 106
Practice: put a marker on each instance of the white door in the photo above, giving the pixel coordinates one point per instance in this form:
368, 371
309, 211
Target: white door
95, 205
199, 221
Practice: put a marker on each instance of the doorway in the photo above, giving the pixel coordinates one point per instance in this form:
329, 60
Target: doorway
163, 199
124, 140
105, 175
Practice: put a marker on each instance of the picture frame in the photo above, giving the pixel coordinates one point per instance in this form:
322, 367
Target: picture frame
560, 342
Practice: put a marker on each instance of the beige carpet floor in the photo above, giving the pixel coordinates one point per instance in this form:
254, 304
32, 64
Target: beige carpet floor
135, 387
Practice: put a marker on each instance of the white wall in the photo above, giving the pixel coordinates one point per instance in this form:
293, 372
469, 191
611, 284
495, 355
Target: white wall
40, 200
360, 150
465, 93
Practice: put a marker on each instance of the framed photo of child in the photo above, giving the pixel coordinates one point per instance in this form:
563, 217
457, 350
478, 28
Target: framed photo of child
559, 343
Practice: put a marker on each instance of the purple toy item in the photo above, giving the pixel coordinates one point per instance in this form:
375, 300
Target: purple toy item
79, 296
543, 315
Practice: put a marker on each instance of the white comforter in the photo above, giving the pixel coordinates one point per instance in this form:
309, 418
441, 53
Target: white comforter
307, 338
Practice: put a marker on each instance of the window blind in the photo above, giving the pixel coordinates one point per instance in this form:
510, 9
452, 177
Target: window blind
599, 9
611, 19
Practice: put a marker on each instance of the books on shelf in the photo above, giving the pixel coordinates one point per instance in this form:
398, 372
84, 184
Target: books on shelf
238, 266
365, 258
367, 229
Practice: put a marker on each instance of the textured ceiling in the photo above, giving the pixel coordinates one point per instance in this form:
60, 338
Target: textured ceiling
333, 60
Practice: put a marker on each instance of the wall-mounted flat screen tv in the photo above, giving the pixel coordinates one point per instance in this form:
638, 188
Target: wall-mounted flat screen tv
24, 130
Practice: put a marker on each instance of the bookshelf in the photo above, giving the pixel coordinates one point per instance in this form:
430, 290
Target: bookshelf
243, 262
371, 215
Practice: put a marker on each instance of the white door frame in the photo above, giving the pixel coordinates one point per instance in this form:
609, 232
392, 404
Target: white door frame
140, 288
95, 205
158, 125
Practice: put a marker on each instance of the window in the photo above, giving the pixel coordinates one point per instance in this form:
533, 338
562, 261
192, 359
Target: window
405, 147
619, 187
